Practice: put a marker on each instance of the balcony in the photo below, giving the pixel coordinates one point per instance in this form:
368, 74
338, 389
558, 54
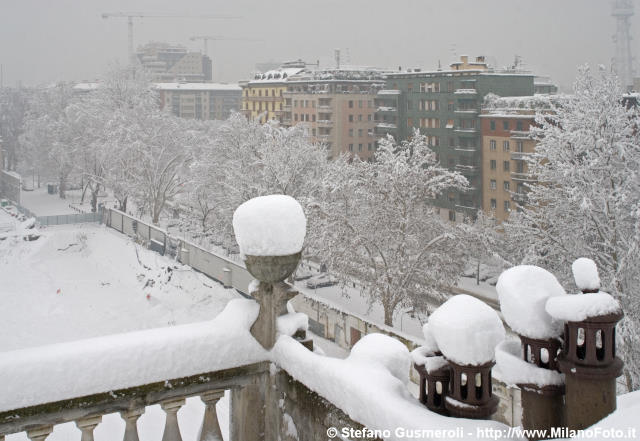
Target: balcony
323, 138
287, 107
472, 111
465, 149
386, 109
520, 134
325, 123
324, 108
471, 130
522, 176
520, 156
388, 126
466, 92
470, 170
389, 92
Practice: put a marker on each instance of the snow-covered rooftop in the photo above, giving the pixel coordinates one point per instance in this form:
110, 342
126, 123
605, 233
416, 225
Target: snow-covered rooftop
197, 86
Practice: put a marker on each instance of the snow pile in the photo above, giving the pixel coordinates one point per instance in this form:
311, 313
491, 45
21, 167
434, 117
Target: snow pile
585, 273
523, 292
420, 355
85, 367
23, 229
514, 370
289, 324
366, 390
466, 330
272, 225
384, 350
579, 307
429, 342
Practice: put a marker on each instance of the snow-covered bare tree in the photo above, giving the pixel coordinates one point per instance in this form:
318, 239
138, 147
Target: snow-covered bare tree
247, 159
586, 201
379, 228
13, 112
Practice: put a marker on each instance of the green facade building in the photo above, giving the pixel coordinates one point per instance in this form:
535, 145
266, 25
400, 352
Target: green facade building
445, 106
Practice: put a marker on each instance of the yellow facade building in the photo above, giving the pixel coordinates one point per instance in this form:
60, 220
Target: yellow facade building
262, 97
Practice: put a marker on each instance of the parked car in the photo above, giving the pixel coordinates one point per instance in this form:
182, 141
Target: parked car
302, 274
321, 281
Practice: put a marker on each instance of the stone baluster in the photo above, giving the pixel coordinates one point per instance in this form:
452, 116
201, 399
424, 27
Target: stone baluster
39, 434
210, 426
131, 423
171, 428
87, 426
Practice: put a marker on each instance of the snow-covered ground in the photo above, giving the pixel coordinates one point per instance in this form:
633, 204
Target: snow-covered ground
82, 281
42, 203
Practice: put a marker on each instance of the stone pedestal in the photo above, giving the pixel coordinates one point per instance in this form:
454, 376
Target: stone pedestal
542, 407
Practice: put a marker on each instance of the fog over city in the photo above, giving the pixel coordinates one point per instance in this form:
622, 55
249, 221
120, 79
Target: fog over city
44, 41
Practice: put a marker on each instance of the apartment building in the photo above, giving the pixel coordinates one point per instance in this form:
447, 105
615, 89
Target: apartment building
200, 100
171, 63
337, 107
445, 106
506, 124
262, 97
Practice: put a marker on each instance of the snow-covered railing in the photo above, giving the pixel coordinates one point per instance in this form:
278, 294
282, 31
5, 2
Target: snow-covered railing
85, 379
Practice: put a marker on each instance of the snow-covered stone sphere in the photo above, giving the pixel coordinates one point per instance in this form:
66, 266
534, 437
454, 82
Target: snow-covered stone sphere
272, 225
523, 292
466, 330
585, 273
385, 350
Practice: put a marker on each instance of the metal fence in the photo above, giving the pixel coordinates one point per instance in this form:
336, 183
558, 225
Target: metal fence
62, 219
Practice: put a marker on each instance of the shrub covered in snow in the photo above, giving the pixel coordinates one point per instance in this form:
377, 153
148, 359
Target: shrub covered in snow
523, 292
466, 330
272, 225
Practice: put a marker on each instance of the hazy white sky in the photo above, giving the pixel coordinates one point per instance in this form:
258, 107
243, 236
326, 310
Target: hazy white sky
48, 40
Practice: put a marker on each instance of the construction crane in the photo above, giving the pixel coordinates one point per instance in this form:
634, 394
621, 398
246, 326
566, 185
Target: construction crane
623, 60
205, 39
131, 15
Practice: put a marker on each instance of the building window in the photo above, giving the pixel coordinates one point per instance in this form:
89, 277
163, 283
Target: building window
369, 117
492, 123
360, 104
452, 142
493, 184
350, 147
351, 104
350, 132
507, 185
360, 131
359, 147
506, 166
450, 106
507, 206
452, 215
505, 146
492, 145
519, 126
494, 204
505, 125
370, 146
519, 166
493, 164
295, 117
350, 118
519, 146
409, 122
359, 117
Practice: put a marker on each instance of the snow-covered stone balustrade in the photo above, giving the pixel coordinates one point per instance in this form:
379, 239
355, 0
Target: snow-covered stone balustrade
83, 380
